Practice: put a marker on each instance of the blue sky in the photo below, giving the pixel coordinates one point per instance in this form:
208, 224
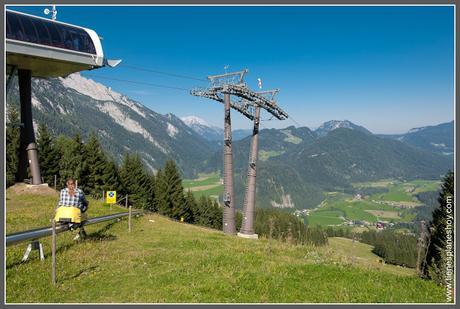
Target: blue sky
388, 69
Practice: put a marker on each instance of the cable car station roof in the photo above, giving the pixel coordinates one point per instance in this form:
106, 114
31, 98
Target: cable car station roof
50, 48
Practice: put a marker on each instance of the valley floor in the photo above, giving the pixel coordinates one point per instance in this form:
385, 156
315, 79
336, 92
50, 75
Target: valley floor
162, 261
396, 205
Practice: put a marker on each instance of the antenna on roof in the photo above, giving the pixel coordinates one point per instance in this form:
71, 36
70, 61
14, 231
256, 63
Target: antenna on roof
53, 11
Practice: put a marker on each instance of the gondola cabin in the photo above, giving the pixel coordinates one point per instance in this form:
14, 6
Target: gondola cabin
50, 48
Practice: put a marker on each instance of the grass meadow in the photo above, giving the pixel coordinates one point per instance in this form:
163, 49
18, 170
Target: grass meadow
162, 261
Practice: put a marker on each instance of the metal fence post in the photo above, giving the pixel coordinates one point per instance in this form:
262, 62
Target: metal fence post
53, 252
129, 220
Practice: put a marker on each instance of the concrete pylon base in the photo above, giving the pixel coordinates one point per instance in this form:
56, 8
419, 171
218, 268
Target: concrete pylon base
45, 185
249, 236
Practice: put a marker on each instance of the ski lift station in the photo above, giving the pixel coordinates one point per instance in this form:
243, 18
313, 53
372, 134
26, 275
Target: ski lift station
41, 47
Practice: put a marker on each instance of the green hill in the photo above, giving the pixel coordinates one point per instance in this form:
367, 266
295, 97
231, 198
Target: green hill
305, 165
162, 261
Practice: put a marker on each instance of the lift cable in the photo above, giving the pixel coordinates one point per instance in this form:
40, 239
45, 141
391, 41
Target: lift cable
294, 121
138, 82
133, 67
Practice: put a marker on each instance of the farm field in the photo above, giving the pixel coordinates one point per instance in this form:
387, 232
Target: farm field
393, 202
205, 185
162, 261
326, 217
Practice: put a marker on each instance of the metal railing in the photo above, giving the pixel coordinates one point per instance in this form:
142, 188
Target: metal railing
35, 234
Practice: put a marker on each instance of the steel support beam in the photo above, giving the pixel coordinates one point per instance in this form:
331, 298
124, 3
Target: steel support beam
247, 227
215, 94
28, 155
229, 226
243, 92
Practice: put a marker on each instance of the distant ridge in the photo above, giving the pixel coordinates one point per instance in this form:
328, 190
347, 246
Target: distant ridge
297, 165
332, 125
437, 138
212, 133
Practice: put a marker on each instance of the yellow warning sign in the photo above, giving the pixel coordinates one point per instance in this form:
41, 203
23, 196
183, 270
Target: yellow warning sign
111, 197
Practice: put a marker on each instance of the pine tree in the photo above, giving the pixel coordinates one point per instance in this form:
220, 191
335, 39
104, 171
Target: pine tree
12, 145
216, 214
161, 200
170, 193
441, 234
110, 177
150, 192
48, 154
82, 168
72, 162
205, 213
65, 146
192, 206
95, 166
135, 181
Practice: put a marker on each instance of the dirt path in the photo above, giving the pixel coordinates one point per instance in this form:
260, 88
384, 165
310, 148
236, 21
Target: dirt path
202, 188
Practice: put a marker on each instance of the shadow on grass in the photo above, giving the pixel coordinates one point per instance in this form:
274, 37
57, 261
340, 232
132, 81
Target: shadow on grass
94, 237
99, 235
79, 273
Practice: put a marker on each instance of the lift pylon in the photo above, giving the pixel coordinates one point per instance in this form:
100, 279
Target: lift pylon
247, 227
221, 89
217, 90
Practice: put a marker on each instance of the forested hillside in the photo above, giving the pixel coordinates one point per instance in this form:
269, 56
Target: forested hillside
296, 165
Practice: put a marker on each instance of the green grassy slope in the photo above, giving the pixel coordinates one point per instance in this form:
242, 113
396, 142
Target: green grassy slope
165, 261
363, 256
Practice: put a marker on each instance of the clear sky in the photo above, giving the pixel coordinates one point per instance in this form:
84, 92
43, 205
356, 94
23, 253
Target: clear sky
388, 69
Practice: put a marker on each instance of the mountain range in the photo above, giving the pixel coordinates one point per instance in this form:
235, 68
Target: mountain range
296, 164
213, 133
79, 105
